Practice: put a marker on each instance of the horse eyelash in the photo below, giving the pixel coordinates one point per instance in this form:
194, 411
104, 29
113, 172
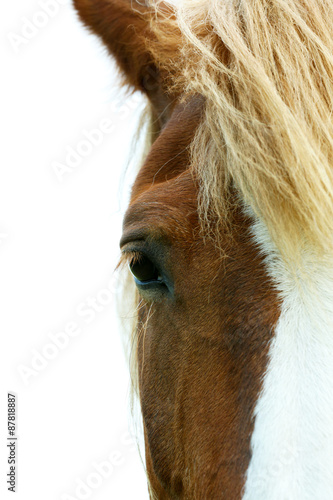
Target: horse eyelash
129, 256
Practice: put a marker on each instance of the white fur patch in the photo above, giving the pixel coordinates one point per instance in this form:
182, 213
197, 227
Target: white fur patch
292, 442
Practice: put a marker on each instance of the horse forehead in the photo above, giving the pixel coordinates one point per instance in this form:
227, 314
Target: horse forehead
169, 156
167, 210
164, 195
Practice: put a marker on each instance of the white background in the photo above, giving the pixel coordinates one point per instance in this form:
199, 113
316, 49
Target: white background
58, 249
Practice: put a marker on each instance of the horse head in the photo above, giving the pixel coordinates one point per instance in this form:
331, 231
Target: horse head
219, 201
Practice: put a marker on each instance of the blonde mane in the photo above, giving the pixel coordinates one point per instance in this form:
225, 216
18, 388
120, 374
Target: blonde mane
265, 69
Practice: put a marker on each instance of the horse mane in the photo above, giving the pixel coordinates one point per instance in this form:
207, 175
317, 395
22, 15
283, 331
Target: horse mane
265, 69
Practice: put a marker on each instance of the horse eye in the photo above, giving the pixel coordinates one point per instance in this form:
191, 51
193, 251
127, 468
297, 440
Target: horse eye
144, 271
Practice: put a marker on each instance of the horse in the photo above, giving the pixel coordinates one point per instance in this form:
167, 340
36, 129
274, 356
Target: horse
229, 240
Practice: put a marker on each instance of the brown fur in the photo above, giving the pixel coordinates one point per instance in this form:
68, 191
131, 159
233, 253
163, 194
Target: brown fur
202, 350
